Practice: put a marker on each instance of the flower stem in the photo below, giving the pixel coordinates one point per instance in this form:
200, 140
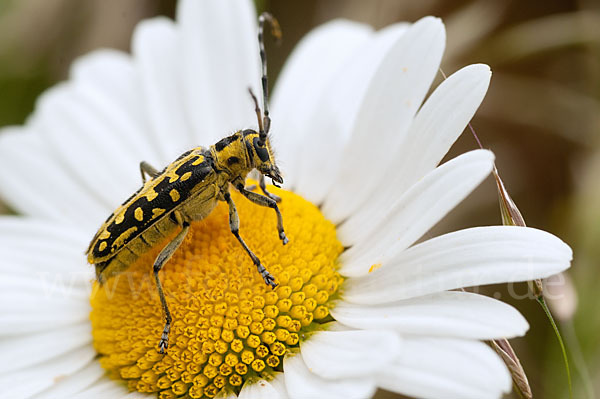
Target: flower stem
544, 306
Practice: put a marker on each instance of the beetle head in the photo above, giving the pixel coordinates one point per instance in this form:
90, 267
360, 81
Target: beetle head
261, 156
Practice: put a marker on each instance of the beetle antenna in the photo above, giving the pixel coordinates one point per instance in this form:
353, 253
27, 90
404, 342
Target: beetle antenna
276, 32
258, 113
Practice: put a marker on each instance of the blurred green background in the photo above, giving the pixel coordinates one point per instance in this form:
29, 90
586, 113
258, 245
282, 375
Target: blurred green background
541, 117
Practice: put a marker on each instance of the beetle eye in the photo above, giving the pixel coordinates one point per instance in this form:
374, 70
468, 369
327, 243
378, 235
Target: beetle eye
261, 150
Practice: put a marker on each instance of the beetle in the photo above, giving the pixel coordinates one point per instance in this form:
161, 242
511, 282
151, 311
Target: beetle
188, 190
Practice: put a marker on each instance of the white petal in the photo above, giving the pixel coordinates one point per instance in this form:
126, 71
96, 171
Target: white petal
37, 378
304, 79
448, 314
19, 146
348, 354
395, 93
32, 349
260, 389
31, 245
107, 388
440, 121
156, 50
225, 394
303, 384
78, 381
52, 314
436, 368
42, 303
82, 138
219, 61
414, 213
46, 282
321, 147
476, 256
436, 126
62, 290
136, 395
112, 81
278, 383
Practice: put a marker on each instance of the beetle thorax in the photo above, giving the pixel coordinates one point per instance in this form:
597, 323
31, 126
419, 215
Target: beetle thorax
231, 155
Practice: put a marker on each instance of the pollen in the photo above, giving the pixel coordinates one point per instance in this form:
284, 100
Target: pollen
228, 325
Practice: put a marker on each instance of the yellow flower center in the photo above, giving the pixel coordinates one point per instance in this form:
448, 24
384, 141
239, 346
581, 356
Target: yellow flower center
228, 326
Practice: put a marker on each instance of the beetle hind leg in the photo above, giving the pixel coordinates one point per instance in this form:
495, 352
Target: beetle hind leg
99, 269
161, 259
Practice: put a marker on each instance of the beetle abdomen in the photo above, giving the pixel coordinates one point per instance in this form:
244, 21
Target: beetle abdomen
152, 236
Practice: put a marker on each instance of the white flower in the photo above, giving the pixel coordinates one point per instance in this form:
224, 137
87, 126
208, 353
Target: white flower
352, 137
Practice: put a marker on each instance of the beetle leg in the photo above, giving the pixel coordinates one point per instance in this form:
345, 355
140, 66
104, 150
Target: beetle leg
161, 259
268, 202
263, 187
234, 225
147, 169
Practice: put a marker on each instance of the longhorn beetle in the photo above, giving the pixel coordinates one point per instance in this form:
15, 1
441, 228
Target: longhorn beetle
187, 190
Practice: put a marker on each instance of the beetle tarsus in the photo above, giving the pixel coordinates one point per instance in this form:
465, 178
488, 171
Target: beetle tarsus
267, 277
283, 238
163, 344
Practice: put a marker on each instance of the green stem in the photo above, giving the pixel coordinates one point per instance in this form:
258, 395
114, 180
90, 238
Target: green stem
544, 306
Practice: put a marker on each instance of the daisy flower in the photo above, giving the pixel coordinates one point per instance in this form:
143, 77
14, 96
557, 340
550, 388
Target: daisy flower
360, 304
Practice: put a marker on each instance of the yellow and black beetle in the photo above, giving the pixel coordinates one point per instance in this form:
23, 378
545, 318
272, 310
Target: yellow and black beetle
187, 190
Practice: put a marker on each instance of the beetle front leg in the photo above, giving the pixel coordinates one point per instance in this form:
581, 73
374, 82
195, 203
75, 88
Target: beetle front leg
263, 187
234, 226
267, 202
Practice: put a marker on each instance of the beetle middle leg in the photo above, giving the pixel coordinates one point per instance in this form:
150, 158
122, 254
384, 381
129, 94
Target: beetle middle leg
161, 259
147, 169
234, 226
